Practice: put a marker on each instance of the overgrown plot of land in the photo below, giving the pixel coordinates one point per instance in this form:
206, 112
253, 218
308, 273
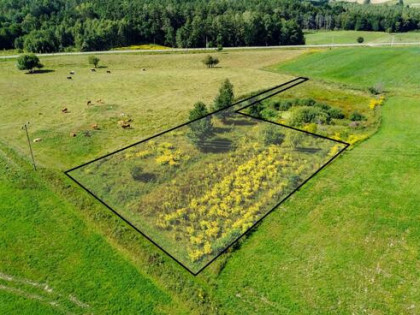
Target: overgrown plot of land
196, 189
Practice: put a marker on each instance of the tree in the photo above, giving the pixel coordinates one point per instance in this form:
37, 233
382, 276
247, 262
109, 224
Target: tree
41, 41
28, 62
93, 60
215, 61
201, 128
199, 110
210, 61
224, 99
360, 39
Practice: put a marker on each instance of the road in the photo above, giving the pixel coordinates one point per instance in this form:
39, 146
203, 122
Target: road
170, 50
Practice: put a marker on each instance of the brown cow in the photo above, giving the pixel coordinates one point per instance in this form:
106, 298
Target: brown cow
93, 70
69, 78
94, 126
89, 103
65, 110
108, 71
72, 134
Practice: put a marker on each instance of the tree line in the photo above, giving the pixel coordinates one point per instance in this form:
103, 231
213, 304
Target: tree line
59, 25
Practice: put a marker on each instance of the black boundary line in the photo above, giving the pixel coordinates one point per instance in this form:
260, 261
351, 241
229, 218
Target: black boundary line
303, 79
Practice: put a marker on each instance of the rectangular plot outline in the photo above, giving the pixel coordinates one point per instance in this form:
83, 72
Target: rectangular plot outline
294, 82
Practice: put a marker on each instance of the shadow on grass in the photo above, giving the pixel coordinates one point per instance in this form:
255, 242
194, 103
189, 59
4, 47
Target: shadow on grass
217, 145
40, 71
240, 122
308, 150
221, 130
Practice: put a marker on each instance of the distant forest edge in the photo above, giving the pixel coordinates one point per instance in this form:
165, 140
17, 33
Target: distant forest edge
59, 25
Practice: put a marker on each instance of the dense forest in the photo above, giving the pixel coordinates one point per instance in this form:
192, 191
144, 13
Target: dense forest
57, 25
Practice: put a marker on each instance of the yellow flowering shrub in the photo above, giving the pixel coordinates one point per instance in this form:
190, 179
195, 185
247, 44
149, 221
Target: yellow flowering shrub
352, 139
375, 102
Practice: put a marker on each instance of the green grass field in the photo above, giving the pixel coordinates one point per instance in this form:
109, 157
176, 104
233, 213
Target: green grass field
347, 242
350, 37
52, 262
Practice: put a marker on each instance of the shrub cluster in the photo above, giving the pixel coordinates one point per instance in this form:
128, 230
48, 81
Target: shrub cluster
303, 111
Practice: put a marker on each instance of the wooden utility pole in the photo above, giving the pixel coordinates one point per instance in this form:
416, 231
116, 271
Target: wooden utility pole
25, 126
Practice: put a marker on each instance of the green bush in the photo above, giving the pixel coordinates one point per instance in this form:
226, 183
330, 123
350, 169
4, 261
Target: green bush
268, 113
305, 102
356, 116
283, 106
272, 135
323, 107
255, 110
305, 115
336, 113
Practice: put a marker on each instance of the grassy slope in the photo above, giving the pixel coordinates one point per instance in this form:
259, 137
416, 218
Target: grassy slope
350, 37
43, 241
348, 242
162, 94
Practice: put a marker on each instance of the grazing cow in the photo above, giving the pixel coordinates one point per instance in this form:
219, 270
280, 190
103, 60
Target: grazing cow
65, 110
94, 126
144, 69
108, 71
69, 78
93, 70
89, 103
72, 134
37, 140
72, 72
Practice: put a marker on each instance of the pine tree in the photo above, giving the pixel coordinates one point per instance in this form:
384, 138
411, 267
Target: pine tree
201, 129
224, 99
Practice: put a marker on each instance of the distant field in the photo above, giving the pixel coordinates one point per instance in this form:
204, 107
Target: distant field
372, 1
411, 3
143, 47
350, 37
